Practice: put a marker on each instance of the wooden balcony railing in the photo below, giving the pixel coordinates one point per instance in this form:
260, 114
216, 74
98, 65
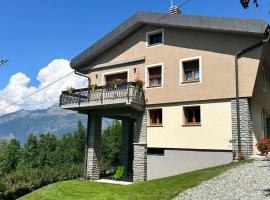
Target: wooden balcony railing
103, 95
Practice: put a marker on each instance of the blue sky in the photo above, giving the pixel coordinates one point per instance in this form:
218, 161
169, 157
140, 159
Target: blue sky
35, 32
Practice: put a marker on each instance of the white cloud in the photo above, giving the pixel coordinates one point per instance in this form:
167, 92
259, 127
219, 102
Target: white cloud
18, 87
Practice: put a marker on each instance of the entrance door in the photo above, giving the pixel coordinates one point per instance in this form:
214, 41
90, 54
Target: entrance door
112, 77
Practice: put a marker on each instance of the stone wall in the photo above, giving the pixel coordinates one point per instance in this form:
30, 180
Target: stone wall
246, 131
140, 148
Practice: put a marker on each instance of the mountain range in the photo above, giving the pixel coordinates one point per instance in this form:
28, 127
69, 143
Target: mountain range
51, 120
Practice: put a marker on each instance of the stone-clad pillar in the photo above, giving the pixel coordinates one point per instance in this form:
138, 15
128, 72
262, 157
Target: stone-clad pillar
93, 151
246, 130
140, 148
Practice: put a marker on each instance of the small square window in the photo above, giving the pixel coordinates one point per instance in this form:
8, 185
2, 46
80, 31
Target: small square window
191, 71
155, 117
192, 115
155, 38
154, 76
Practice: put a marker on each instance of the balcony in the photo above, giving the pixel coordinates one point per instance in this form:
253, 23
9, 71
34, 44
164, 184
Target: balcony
127, 95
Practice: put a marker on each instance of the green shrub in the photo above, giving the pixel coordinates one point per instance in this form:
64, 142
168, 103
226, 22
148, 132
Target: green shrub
21, 182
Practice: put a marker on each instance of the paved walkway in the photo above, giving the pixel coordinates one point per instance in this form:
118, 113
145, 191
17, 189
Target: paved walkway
249, 181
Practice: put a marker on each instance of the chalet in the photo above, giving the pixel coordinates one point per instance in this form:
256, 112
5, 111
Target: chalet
191, 91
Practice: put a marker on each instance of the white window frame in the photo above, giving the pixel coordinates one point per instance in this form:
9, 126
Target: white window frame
114, 72
147, 75
152, 33
181, 70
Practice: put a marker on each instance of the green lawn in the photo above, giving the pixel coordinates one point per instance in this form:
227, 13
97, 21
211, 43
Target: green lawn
164, 188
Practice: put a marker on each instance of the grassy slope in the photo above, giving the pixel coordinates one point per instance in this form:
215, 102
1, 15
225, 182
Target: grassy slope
164, 188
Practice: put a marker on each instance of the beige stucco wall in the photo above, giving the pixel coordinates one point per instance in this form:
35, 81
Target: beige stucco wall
261, 95
214, 133
261, 100
217, 55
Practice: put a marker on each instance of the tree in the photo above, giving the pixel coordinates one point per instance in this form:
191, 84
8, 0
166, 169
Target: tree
47, 146
110, 146
30, 153
74, 154
3, 61
10, 157
246, 3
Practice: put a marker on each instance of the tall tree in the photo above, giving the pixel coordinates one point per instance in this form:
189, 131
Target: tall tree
110, 146
3, 61
10, 157
47, 146
246, 3
30, 153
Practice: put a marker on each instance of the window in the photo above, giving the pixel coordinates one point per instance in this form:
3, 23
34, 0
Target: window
154, 38
191, 71
192, 115
154, 76
112, 77
155, 117
155, 151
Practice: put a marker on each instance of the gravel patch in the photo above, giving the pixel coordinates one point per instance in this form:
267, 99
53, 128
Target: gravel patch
248, 181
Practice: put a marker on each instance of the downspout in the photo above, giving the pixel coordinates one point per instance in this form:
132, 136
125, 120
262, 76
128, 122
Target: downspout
83, 75
87, 138
237, 57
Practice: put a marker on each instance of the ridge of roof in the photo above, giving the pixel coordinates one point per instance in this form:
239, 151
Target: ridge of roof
220, 24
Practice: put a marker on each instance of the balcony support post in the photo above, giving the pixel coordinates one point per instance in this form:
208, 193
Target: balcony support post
140, 148
93, 146
126, 143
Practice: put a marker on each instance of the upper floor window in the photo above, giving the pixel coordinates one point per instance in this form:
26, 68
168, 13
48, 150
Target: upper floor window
154, 74
191, 70
155, 116
155, 38
192, 115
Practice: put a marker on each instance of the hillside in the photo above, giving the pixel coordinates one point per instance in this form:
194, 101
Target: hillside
54, 120
159, 189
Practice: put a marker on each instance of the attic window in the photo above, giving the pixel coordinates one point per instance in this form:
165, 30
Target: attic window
155, 38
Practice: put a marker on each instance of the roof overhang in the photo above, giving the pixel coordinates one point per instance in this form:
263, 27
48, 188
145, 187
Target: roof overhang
219, 24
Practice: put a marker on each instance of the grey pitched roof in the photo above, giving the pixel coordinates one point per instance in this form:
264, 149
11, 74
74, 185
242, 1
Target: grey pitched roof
221, 24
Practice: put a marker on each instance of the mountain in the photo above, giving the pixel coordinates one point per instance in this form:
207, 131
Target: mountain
53, 120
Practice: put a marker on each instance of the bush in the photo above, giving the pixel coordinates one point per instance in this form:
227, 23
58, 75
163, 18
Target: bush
263, 145
21, 182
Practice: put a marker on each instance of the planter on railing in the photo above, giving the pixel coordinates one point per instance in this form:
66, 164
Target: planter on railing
103, 94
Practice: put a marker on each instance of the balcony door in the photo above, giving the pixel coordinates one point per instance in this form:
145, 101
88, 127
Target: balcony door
110, 78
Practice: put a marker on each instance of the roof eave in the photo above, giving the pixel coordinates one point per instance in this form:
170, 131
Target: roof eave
218, 24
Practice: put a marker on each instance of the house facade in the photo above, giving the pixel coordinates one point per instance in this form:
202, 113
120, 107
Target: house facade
185, 115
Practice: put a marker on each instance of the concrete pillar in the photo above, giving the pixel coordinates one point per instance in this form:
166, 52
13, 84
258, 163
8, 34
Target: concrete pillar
93, 147
246, 130
125, 141
140, 148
